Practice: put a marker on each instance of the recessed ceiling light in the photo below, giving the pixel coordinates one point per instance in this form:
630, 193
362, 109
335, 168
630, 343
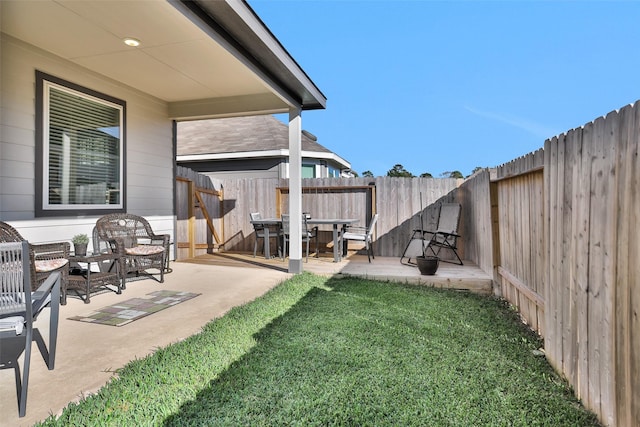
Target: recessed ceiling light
129, 41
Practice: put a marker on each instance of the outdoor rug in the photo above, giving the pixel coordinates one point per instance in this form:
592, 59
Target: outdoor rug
133, 309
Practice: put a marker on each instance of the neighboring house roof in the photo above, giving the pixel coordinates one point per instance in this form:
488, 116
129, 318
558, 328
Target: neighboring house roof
243, 137
205, 58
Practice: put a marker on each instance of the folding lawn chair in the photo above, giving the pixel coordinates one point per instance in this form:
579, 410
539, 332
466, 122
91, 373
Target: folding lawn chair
444, 237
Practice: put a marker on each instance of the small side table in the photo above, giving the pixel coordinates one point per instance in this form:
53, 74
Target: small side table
88, 280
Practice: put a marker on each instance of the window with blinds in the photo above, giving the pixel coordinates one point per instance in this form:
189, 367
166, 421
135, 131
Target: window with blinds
82, 150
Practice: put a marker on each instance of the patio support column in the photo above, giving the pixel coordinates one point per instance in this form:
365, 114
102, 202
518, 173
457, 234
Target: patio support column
295, 190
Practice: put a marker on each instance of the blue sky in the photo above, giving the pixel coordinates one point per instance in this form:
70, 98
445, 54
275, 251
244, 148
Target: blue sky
438, 86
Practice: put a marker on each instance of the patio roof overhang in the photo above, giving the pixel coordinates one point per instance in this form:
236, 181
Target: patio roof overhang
205, 58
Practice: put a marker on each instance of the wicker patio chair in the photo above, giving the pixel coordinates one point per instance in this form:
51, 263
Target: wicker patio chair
19, 308
132, 239
46, 258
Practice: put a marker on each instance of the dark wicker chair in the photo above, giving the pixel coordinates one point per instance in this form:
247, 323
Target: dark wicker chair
138, 247
46, 257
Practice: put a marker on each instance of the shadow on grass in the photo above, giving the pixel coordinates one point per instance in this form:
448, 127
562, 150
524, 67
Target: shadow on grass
355, 352
229, 397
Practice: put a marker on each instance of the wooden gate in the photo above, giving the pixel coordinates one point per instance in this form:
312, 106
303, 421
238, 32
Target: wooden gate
199, 215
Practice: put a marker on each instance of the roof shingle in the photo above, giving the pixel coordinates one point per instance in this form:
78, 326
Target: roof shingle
236, 135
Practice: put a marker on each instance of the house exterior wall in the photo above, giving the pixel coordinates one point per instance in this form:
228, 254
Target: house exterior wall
149, 150
256, 168
246, 168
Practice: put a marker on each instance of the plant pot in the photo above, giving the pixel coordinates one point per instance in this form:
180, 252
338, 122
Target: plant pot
80, 249
428, 265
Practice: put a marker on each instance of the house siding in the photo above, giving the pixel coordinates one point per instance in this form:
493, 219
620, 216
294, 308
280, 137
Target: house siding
246, 168
149, 155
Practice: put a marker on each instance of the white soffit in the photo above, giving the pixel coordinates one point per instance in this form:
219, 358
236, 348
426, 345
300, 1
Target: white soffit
175, 62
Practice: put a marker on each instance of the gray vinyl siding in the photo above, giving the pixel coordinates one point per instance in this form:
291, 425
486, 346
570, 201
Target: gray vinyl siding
248, 168
149, 155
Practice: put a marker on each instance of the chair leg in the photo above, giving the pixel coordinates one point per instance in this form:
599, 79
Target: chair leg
24, 385
279, 241
307, 250
284, 247
255, 247
124, 271
317, 247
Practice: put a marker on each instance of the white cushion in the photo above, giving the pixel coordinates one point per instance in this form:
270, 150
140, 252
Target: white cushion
144, 250
46, 265
353, 236
12, 323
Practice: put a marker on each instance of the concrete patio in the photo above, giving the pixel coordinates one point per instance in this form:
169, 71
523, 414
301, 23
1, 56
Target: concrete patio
88, 354
466, 277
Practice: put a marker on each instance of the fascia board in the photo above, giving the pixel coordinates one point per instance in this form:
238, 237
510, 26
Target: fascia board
260, 154
260, 29
187, 8
235, 155
199, 12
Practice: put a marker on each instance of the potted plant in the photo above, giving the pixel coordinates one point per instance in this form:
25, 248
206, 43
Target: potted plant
428, 265
80, 242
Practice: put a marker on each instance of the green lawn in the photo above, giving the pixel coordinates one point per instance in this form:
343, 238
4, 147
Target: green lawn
350, 352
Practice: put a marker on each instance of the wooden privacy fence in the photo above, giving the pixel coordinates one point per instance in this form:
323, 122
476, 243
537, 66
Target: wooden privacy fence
565, 246
592, 284
396, 200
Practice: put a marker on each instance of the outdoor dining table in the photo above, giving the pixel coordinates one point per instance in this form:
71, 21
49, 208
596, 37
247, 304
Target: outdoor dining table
335, 222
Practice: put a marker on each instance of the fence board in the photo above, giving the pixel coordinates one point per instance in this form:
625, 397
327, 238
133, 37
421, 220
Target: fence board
627, 344
608, 158
577, 336
598, 226
633, 320
625, 155
553, 330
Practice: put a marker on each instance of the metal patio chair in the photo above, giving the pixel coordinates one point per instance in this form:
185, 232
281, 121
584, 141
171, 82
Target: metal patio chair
446, 235
19, 308
275, 231
307, 235
362, 234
